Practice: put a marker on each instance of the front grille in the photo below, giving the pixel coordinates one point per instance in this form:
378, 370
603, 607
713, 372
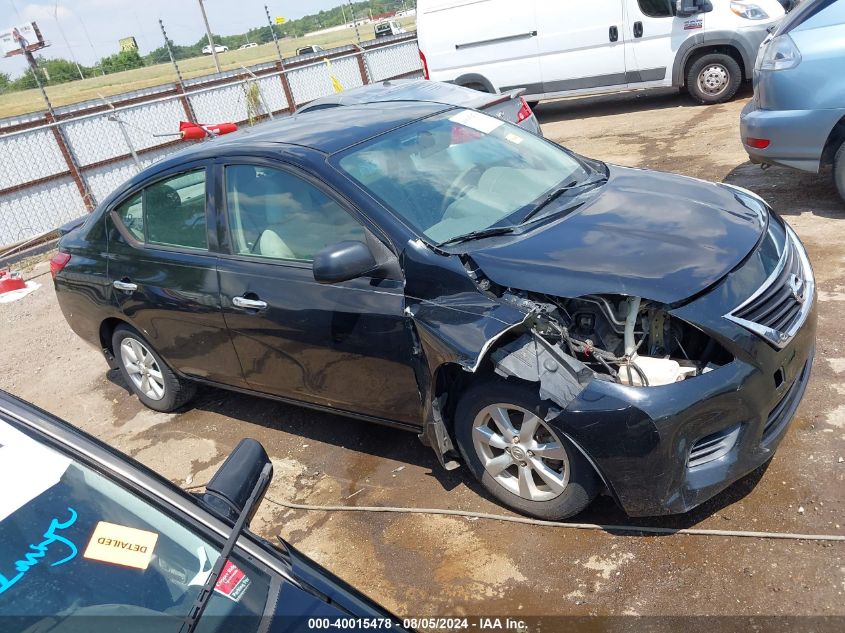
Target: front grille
779, 307
713, 446
782, 413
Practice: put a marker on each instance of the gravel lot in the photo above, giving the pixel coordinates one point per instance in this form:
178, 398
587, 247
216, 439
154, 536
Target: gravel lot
435, 565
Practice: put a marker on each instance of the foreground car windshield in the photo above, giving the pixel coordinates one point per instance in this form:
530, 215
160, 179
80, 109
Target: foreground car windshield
73, 543
459, 172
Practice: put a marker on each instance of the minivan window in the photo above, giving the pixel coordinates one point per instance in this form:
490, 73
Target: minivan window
174, 211
275, 214
656, 8
460, 171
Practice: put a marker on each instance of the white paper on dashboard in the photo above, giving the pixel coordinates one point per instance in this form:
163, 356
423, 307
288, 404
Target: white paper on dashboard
27, 469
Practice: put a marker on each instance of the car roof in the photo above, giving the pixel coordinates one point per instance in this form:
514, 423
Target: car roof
326, 131
407, 90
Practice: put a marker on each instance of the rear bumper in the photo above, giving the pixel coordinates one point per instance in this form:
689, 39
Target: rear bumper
796, 137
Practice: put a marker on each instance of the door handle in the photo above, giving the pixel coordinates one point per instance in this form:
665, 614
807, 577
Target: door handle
614, 34
638, 29
249, 304
125, 286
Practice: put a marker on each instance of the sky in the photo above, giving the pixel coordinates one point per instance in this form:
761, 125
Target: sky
106, 21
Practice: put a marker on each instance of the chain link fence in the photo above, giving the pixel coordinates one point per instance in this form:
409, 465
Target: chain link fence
53, 171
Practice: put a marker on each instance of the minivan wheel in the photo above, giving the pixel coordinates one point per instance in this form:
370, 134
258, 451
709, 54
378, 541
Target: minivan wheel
714, 78
522, 460
146, 373
839, 170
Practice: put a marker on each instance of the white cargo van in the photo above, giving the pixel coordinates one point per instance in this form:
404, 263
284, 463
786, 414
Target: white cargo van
569, 47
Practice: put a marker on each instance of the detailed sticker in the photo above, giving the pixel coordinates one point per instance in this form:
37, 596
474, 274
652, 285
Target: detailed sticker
121, 545
231, 582
516, 139
476, 121
692, 25
27, 469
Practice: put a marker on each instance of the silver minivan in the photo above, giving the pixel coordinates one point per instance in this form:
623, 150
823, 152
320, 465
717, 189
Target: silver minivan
797, 115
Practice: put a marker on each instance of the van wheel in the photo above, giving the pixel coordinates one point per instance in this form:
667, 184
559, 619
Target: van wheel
521, 459
146, 373
714, 78
839, 170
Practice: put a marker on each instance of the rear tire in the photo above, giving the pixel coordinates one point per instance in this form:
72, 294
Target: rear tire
477, 86
146, 374
540, 473
839, 170
713, 78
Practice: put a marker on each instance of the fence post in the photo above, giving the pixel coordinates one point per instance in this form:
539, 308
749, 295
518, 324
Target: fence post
286, 87
70, 161
362, 66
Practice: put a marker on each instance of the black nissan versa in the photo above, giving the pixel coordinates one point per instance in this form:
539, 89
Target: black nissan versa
561, 326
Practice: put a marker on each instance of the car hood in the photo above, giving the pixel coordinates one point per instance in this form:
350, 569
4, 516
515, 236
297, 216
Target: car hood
648, 234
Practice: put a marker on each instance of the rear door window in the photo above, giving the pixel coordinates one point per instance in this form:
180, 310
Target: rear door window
170, 212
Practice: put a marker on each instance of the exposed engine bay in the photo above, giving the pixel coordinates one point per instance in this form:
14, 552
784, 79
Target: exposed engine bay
627, 339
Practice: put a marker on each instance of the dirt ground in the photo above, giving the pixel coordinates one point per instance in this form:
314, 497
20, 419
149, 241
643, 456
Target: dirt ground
434, 565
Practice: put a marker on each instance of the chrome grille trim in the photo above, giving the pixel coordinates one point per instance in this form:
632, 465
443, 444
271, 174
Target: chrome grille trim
791, 287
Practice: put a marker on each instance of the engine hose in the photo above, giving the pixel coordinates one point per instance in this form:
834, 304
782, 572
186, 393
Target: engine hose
633, 529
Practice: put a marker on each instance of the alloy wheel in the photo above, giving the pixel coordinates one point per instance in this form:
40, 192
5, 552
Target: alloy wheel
143, 369
520, 452
714, 79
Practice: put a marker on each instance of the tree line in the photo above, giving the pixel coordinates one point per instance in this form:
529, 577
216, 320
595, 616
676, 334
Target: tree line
55, 71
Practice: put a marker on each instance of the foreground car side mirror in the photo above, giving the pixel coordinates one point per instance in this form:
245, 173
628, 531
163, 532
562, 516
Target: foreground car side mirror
688, 8
343, 261
231, 486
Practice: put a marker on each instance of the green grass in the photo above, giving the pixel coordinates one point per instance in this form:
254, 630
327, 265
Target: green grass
26, 101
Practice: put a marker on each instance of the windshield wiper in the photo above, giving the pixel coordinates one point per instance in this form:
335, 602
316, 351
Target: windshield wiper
207, 590
557, 193
477, 235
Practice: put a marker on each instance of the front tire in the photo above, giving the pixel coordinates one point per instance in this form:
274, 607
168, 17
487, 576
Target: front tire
714, 78
522, 460
147, 375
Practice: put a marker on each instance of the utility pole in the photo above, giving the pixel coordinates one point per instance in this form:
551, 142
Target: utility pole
354, 21
210, 38
275, 39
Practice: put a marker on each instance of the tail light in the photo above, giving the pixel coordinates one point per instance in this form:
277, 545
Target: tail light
58, 261
524, 111
424, 65
757, 143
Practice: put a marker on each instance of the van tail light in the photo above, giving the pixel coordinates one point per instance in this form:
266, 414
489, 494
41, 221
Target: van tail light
525, 111
424, 65
58, 261
757, 143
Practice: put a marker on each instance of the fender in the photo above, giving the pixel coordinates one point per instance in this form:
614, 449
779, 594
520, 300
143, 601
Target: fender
746, 42
474, 78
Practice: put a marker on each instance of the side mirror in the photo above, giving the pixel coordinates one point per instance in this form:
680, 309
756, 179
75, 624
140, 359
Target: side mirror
231, 486
343, 261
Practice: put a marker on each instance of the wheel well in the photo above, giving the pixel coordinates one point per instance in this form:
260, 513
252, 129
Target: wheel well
722, 49
107, 328
834, 141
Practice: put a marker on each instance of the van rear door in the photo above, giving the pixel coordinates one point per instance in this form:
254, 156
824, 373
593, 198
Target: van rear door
581, 48
653, 39
490, 44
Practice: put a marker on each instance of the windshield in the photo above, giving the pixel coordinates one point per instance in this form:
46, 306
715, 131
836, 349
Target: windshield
75, 546
459, 172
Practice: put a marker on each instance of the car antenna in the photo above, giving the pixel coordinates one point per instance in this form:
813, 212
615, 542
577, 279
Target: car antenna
207, 590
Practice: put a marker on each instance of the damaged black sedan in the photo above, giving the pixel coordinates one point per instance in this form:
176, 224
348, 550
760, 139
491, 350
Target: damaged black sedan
561, 326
